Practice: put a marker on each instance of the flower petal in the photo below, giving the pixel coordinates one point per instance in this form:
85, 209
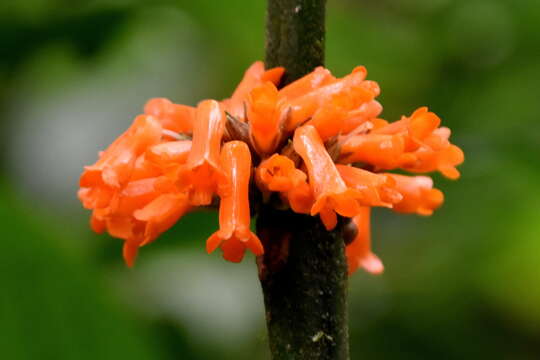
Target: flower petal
359, 252
330, 191
203, 159
173, 117
234, 235
418, 193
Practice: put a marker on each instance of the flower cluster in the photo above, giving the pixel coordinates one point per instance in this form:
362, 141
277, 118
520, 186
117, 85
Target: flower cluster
317, 144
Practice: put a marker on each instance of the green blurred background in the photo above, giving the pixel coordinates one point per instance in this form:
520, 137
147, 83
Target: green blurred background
463, 284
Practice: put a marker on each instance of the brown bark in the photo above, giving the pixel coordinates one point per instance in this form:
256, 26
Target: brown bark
303, 272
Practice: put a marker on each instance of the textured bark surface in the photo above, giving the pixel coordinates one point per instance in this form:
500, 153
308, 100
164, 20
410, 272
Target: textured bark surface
304, 281
295, 36
303, 272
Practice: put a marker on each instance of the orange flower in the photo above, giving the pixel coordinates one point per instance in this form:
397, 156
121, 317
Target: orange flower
329, 119
129, 177
173, 117
234, 235
168, 155
415, 129
352, 88
436, 154
102, 182
367, 111
96, 196
149, 177
376, 189
331, 193
162, 213
278, 173
380, 150
140, 212
253, 77
413, 143
264, 127
135, 195
359, 251
317, 78
203, 159
97, 224
115, 164
144, 169
300, 198
418, 194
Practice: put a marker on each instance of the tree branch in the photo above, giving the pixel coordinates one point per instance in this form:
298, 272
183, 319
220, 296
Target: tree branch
295, 36
303, 272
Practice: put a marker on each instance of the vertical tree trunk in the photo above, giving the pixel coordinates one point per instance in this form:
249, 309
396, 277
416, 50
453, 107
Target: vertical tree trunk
303, 272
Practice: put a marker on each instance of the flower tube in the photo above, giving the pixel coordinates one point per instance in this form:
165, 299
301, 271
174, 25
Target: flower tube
331, 193
173, 117
415, 128
169, 154
359, 252
264, 126
116, 163
353, 86
328, 120
234, 235
317, 78
418, 193
162, 213
300, 198
203, 160
376, 189
380, 150
367, 111
278, 173
436, 154
254, 76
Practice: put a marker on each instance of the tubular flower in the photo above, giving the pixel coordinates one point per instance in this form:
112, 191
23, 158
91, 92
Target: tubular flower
174, 117
436, 154
361, 115
418, 195
415, 144
380, 150
203, 158
314, 80
263, 118
358, 252
278, 173
300, 198
253, 77
376, 189
318, 147
328, 120
168, 154
352, 88
331, 194
234, 235
115, 164
414, 130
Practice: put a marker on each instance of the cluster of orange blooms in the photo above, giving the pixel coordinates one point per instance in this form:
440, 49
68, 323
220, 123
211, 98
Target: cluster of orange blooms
316, 144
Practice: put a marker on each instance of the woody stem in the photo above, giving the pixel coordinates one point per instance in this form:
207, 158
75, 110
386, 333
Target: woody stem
295, 32
303, 272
